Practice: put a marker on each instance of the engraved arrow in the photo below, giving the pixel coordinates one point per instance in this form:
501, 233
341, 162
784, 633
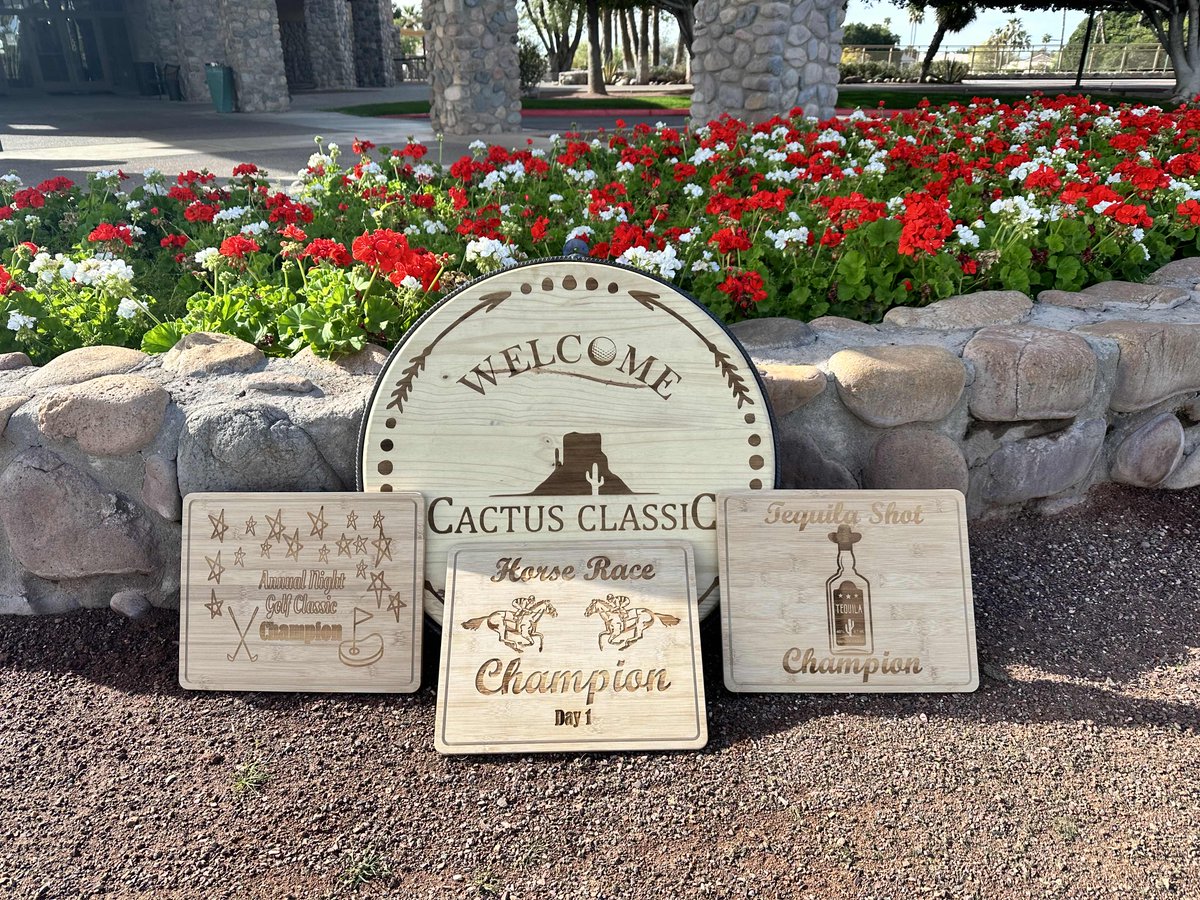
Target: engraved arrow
417, 364
732, 376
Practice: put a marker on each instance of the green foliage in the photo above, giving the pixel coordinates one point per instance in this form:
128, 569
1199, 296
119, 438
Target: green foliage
949, 71
363, 867
532, 63
856, 34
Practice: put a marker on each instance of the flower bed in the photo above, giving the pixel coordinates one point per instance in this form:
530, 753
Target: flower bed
792, 217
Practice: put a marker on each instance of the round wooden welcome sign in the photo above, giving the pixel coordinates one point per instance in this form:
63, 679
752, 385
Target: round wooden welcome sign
568, 400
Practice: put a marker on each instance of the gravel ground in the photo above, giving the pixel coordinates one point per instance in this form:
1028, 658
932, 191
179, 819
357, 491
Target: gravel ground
1072, 772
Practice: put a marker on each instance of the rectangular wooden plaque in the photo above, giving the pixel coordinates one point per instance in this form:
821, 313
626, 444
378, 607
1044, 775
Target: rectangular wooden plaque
302, 592
572, 646
846, 591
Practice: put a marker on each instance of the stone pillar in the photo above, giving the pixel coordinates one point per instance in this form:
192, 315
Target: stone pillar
198, 40
373, 42
475, 77
758, 58
330, 43
254, 49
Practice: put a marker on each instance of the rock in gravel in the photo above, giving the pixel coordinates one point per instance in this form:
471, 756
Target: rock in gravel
277, 382
61, 524
914, 459
890, 386
132, 604
1117, 295
1044, 466
15, 360
1157, 361
8, 406
207, 353
790, 387
160, 488
1148, 456
86, 363
772, 333
249, 449
113, 415
964, 311
1023, 372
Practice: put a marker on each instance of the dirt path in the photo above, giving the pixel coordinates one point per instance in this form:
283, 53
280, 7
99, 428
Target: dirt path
1071, 773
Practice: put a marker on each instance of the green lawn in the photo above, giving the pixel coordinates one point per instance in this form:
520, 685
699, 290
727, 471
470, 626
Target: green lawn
869, 96
615, 101
866, 96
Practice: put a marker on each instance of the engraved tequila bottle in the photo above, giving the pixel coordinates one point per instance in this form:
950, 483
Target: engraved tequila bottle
848, 598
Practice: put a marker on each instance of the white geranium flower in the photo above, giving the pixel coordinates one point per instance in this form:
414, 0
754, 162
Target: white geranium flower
18, 321
128, 308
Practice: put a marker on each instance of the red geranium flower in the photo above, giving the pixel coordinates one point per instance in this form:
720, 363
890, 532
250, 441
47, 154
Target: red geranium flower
538, 229
730, 239
744, 289
105, 232
245, 169
324, 248
200, 212
237, 246
8, 284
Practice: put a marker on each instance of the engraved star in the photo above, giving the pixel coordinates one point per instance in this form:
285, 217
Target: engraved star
215, 569
352, 520
395, 604
379, 586
214, 606
265, 549
294, 546
251, 524
276, 527
219, 526
383, 547
318, 524
239, 557
362, 570
343, 545
360, 544
378, 520
323, 553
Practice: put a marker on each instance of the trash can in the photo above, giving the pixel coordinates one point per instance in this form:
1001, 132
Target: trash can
220, 85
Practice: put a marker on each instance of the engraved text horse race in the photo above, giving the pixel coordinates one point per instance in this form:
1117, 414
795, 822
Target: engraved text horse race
516, 627
624, 625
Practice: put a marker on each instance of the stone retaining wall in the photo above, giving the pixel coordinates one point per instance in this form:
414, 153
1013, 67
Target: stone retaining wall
1015, 403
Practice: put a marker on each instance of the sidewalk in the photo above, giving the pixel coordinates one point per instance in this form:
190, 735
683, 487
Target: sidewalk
47, 136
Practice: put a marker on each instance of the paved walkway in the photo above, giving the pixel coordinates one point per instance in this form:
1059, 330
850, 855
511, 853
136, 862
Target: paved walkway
45, 136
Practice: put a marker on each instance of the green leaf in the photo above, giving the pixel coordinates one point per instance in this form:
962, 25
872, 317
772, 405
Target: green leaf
164, 336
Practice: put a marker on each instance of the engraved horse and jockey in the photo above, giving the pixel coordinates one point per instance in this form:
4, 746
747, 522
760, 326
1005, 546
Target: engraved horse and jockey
516, 627
624, 625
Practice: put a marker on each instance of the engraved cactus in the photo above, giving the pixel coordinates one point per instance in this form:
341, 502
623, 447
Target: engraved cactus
595, 479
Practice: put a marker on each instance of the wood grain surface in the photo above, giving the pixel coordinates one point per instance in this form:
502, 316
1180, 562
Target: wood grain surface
301, 592
570, 647
568, 400
846, 591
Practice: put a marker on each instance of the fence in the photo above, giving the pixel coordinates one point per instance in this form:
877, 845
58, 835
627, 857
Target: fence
1038, 59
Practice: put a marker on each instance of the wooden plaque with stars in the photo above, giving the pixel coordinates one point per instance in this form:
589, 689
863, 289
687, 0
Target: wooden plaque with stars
301, 592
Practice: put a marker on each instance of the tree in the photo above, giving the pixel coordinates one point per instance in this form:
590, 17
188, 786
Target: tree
1174, 23
950, 17
595, 62
559, 26
1004, 45
856, 34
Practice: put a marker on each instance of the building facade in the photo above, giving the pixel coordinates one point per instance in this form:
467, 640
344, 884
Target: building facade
275, 47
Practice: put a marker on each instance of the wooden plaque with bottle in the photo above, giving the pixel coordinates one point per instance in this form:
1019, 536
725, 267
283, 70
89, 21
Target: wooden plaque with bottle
846, 591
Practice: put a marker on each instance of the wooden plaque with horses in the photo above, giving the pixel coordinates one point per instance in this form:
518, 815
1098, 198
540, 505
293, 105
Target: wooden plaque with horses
572, 646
